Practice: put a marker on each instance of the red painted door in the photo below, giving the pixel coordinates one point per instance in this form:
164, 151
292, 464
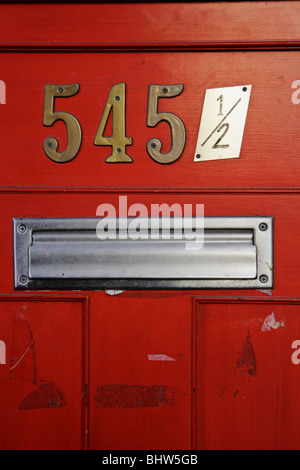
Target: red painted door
143, 368
43, 372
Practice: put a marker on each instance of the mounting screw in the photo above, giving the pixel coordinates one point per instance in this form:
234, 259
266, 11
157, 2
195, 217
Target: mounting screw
22, 228
60, 90
165, 90
117, 98
263, 278
23, 279
153, 145
244, 88
198, 155
263, 226
49, 144
118, 149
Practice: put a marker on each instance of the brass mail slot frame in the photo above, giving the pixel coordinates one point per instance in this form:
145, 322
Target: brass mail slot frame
240, 242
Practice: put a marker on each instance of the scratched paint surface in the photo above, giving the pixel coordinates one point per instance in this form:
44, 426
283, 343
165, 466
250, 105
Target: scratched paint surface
140, 372
245, 380
47, 395
23, 358
41, 382
134, 396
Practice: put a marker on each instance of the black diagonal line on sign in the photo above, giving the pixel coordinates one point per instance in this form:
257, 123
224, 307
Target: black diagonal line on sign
226, 116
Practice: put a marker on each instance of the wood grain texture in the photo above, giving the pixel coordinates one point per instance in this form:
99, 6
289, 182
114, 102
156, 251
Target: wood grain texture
43, 380
150, 25
246, 383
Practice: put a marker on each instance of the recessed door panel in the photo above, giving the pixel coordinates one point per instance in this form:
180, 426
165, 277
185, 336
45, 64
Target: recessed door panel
42, 373
246, 374
140, 371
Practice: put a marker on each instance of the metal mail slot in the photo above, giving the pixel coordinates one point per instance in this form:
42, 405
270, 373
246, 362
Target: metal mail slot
236, 252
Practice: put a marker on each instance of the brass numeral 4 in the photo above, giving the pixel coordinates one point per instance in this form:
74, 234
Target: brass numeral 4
116, 104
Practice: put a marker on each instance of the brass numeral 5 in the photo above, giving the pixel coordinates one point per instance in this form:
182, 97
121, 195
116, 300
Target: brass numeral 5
50, 144
178, 134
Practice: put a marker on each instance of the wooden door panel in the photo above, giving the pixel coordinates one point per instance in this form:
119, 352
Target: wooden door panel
246, 382
269, 153
150, 25
140, 372
42, 380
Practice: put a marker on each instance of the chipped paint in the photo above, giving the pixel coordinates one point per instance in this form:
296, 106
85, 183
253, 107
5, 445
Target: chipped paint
246, 362
114, 292
270, 322
277, 324
160, 357
47, 395
2, 92
266, 291
2, 352
134, 396
270, 319
245, 370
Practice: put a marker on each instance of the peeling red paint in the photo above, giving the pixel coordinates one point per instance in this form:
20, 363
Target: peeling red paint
134, 396
246, 363
47, 395
164, 357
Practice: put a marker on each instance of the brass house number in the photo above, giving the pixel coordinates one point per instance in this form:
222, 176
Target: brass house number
220, 132
115, 104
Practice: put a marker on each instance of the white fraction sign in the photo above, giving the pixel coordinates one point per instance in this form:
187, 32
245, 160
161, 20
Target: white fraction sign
222, 123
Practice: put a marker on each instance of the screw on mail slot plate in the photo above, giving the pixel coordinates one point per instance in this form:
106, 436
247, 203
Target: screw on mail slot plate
222, 123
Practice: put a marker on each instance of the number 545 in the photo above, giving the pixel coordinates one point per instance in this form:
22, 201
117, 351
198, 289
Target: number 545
115, 104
